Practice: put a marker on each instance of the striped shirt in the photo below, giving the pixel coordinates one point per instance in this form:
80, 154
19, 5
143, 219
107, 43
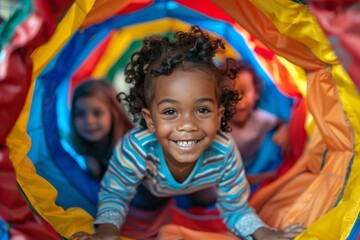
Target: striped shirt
138, 158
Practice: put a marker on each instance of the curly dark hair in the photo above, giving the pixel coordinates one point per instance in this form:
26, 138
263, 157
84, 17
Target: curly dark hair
160, 56
231, 68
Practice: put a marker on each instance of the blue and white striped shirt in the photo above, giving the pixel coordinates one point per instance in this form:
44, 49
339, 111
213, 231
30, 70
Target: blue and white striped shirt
138, 158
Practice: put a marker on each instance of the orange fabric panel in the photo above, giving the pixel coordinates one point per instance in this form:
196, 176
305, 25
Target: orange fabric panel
255, 22
288, 199
279, 73
327, 111
102, 10
306, 192
274, 201
282, 78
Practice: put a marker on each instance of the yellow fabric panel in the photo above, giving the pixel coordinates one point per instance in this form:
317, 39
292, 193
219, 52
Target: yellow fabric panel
350, 100
39, 192
310, 124
124, 37
351, 199
297, 74
65, 29
296, 21
102, 10
118, 44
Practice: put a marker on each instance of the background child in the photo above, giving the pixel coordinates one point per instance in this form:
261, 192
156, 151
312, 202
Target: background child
97, 121
252, 126
178, 148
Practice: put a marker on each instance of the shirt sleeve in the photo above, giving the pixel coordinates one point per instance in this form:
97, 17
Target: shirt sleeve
126, 169
233, 194
267, 119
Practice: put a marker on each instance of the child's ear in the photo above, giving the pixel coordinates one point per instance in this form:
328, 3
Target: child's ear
221, 111
148, 119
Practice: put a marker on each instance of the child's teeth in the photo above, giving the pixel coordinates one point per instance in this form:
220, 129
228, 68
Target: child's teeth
186, 143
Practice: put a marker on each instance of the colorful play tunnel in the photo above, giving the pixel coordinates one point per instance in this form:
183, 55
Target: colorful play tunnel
48, 47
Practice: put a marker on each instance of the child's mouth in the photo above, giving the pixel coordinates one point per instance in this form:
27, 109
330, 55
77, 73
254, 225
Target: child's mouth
186, 143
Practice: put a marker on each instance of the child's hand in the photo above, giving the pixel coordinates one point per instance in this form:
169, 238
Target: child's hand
104, 231
281, 138
290, 232
97, 236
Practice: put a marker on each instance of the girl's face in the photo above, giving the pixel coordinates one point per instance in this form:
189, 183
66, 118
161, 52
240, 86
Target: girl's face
92, 118
244, 84
184, 114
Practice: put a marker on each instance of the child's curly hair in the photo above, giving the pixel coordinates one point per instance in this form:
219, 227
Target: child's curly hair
232, 68
160, 56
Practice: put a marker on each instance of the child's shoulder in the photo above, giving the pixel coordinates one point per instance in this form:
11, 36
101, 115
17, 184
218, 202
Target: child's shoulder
263, 114
141, 136
222, 141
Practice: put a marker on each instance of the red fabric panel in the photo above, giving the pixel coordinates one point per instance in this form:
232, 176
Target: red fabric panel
135, 5
142, 224
207, 8
16, 211
15, 79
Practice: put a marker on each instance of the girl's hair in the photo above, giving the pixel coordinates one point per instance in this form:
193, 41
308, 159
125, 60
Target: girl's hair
100, 89
160, 56
232, 68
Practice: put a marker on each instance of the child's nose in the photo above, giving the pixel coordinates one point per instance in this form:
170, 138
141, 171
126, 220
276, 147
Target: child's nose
241, 102
187, 123
89, 119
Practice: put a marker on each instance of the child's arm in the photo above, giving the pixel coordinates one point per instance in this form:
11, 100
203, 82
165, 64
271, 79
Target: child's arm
233, 204
233, 194
281, 138
118, 187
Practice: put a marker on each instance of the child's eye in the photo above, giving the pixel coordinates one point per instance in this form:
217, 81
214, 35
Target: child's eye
169, 112
98, 113
203, 110
79, 114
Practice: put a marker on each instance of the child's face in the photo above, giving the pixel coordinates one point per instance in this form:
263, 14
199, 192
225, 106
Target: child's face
92, 118
244, 84
184, 114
